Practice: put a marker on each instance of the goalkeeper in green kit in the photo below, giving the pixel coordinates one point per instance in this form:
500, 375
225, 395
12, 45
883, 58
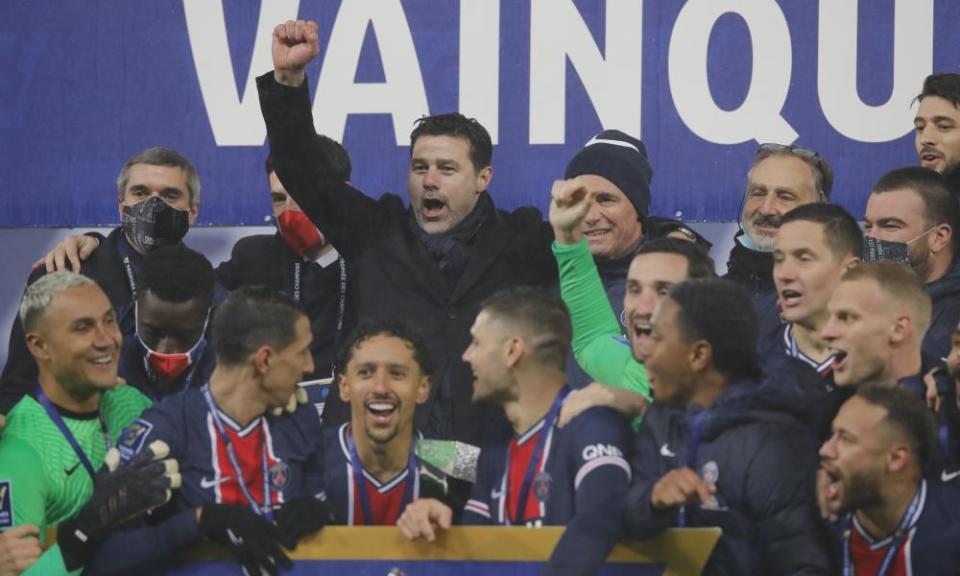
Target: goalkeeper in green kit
57, 467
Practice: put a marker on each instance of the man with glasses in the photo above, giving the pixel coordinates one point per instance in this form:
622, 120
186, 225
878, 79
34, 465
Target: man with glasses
780, 179
912, 218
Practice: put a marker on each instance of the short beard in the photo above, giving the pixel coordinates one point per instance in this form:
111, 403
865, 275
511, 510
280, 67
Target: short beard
760, 242
861, 492
498, 396
920, 258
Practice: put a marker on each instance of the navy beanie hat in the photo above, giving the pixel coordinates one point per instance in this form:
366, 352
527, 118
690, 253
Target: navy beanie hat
621, 159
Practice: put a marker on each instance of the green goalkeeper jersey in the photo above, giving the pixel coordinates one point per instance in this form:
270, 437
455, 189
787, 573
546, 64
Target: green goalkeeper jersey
42, 480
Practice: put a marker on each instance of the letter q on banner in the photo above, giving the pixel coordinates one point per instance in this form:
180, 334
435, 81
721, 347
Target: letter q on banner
758, 117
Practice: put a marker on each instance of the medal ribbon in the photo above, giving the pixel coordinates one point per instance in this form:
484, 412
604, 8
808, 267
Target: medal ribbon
549, 422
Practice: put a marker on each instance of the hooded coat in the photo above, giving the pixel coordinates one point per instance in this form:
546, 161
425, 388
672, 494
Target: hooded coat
762, 458
945, 296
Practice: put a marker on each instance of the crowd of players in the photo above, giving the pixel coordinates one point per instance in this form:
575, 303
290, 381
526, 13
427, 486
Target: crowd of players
806, 404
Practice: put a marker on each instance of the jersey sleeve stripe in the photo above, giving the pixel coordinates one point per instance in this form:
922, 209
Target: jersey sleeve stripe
477, 507
598, 462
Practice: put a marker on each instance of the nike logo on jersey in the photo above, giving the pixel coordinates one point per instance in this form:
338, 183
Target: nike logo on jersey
204, 483
665, 451
71, 470
496, 494
948, 476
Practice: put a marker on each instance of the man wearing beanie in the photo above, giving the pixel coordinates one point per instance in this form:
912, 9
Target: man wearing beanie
615, 168
781, 178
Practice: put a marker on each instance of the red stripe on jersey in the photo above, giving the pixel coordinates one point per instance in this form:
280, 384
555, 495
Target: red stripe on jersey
248, 449
520, 455
385, 501
866, 562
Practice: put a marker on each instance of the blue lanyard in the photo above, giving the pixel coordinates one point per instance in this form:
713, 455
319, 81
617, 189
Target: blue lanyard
231, 455
365, 507
549, 421
68, 436
906, 524
693, 448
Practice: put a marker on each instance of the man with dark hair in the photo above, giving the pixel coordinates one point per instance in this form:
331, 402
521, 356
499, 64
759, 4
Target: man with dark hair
938, 122
892, 517
715, 449
299, 262
167, 351
877, 317
530, 472
372, 469
599, 345
781, 178
913, 218
57, 438
242, 464
159, 197
431, 264
815, 245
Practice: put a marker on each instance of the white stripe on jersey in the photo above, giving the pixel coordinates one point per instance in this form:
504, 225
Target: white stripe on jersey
215, 463
598, 462
542, 505
477, 507
350, 494
271, 457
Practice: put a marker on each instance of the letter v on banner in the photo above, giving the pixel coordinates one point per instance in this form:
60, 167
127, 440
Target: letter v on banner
234, 118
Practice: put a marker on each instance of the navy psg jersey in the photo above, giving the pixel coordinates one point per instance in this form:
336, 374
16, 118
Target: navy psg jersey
387, 500
579, 468
278, 458
929, 545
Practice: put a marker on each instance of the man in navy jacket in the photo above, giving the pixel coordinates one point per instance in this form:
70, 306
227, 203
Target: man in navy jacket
167, 352
715, 449
912, 213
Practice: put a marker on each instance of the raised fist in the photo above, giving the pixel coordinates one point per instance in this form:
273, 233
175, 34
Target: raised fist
295, 44
570, 200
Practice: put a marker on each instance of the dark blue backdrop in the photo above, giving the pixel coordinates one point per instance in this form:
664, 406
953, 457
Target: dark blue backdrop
86, 84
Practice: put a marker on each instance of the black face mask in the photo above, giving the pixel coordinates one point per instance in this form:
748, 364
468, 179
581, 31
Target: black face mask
875, 250
154, 223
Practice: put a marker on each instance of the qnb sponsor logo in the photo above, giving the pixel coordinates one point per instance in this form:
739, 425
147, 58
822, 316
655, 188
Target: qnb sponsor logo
597, 450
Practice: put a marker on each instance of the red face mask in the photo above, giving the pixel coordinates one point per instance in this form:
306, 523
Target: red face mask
169, 366
299, 232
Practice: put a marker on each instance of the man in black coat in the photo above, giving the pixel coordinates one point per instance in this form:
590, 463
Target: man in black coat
159, 197
298, 261
431, 264
716, 448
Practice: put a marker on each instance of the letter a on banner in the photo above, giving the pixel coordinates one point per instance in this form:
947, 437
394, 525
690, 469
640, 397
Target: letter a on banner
402, 94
